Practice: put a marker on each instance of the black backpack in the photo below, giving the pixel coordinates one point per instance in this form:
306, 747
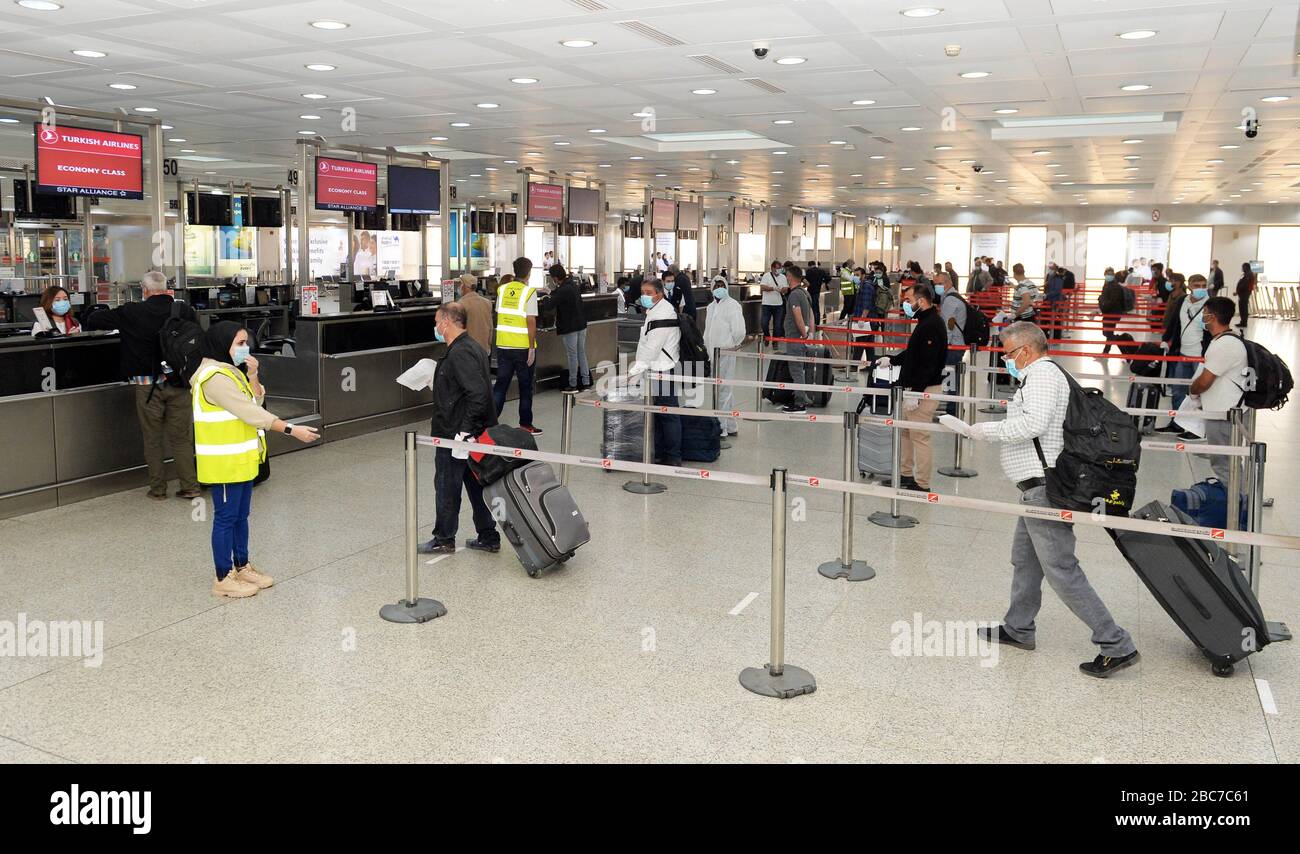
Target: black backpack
489, 468
976, 328
1097, 468
1269, 383
694, 355
181, 348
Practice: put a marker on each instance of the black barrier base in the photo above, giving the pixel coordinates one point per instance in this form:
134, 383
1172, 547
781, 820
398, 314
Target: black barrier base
422, 611
952, 471
640, 488
858, 570
889, 520
793, 681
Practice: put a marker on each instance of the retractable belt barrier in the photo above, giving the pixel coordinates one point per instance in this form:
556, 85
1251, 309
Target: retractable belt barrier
1126, 378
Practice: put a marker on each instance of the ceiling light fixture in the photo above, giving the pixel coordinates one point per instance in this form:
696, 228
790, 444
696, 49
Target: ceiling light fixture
943, 148
595, 130
125, 87
791, 60
1133, 141
1137, 35
1135, 87
146, 109
330, 25
782, 121
578, 43
487, 105
460, 124
862, 102
1275, 99
704, 91
94, 54
836, 142
974, 75
319, 66
921, 12
40, 5
1006, 111
314, 96
438, 138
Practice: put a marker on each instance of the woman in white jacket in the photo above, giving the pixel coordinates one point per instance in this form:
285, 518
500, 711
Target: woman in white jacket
724, 329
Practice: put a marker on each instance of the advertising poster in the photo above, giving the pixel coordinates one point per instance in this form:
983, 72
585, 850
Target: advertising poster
236, 254
199, 255
365, 253
1146, 248
310, 299
991, 244
390, 253
327, 250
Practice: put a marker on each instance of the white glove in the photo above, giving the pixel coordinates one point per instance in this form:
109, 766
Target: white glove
911, 404
460, 453
883, 363
1164, 345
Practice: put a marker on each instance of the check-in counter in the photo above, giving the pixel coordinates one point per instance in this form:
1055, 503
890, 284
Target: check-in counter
70, 423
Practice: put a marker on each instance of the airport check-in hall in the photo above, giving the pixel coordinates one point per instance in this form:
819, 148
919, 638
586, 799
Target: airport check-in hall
641, 381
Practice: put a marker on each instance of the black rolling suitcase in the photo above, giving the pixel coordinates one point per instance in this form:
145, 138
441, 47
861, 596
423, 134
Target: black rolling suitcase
778, 372
821, 374
1143, 396
542, 521
1201, 586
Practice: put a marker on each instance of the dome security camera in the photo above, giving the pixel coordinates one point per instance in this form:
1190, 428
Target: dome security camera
761, 51
1252, 128
977, 167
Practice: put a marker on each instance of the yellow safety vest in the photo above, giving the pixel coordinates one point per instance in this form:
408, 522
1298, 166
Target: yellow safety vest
226, 449
512, 318
846, 284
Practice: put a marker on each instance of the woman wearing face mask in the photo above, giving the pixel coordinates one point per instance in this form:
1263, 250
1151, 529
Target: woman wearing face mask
1111, 302
58, 310
229, 423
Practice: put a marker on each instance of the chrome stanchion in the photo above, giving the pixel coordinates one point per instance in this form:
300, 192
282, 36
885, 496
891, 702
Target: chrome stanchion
412, 609
992, 408
776, 678
758, 390
846, 567
717, 391
566, 430
1277, 631
1234, 484
645, 486
967, 388
894, 519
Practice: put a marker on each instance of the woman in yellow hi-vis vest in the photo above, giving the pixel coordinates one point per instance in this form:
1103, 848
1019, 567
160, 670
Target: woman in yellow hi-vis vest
229, 445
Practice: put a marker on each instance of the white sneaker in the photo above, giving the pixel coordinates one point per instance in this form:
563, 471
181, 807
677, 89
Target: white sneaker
232, 587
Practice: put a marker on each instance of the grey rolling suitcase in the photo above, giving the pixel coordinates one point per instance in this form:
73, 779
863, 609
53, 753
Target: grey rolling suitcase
875, 449
1201, 586
541, 519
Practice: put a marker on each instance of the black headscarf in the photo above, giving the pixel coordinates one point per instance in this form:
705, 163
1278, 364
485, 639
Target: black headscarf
217, 341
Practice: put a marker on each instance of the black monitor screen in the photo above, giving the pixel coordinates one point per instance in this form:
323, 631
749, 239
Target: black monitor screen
44, 205
485, 222
211, 210
265, 213
413, 190
509, 224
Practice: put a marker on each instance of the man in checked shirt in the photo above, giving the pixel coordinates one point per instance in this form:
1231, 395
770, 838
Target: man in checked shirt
1041, 547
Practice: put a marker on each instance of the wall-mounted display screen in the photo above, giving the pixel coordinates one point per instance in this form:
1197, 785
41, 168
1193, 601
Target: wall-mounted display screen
264, 212
584, 205
211, 209
545, 202
663, 216
346, 185
485, 222
83, 162
44, 205
507, 223
414, 190
688, 216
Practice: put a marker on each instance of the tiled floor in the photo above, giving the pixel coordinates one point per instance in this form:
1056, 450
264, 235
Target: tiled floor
629, 653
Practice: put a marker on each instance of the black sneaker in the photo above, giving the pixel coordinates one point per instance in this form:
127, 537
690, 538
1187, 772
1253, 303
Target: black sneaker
794, 409
528, 428
1188, 436
433, 547
479, 545
1171, 427
567, 387
1103, 665
986, 634
910, 483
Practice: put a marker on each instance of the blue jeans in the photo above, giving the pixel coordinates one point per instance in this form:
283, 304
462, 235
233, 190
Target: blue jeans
512, 363
1179, 370
231, 503
575, 351
774, 314
449, 476
667, 426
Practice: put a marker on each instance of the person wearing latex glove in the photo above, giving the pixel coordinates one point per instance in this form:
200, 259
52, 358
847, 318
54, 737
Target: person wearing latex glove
922, 364
658, 350
462, 409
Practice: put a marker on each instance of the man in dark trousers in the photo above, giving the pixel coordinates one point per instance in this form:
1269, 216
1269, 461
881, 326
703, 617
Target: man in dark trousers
164, 409
677, 290
462, 409
922, 371
817, 278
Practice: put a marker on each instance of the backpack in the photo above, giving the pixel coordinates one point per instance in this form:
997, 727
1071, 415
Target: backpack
180, 346
692, 350
976, 328
1269, 382
489, 468
1097, 468
1138, 355
884, 297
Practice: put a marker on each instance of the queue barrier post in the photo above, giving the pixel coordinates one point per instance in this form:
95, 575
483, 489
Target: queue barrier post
412, 609
992, 408
894, 518
566, 430
1235, 480
723, 444
846, 567
1277, 631
645, 486
762, 349
776, 678
965, 385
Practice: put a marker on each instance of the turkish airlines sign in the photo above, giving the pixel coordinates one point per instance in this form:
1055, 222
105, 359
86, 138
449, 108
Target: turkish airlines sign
545, 202
346, 185
84, 162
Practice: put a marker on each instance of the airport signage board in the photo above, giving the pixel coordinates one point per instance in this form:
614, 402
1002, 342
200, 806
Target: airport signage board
84, 162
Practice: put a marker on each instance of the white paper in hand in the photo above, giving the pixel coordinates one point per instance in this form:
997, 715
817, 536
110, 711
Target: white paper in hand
955, 424
420, 375
1188, 416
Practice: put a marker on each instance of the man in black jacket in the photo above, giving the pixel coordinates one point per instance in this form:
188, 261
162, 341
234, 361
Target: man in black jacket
164, 410
922, 371
677, 290
817, 278
462, 409
571, 326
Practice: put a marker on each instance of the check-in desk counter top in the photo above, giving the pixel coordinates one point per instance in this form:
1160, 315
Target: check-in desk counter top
71, 421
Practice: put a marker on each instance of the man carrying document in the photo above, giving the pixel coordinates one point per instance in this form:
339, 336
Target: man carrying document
1032, 436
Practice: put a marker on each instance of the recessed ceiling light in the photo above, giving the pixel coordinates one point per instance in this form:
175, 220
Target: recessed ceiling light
510, 162
1061, 175
863, 102
145, 109
99, 54
782, 121
40, 5
1229, 147
562, 142
1275, 99
8, 121
780, 152
974, 75
704, 91
487, 105
823, 166
603, 165
943, 148
178, 139
907, 169
1067, 183
438, 139
1136, 35
1135, 87
475, 175
643, 114
636, 157
921, 12
910, 128
578, 43
1132, 156
329, 25
319, 66
791, 60
523, 81
1040, 152
489, 169
188, 151
967, 162
595, 130
314, 96
1051, 166
1006, 111
836, 142
692, 169
1132, 141
306, 133
1132, 168
533, 153
856, 175
460, 124
125, 87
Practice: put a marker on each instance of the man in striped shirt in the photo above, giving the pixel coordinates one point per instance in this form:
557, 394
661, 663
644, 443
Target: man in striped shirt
1042, 548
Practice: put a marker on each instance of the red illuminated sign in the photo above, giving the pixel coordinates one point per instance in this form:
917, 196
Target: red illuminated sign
84, 162
346, 185
545, 202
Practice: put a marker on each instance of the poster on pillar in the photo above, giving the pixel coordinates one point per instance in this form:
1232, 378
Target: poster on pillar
327, 249
390, 254
666, 245
1146, 248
